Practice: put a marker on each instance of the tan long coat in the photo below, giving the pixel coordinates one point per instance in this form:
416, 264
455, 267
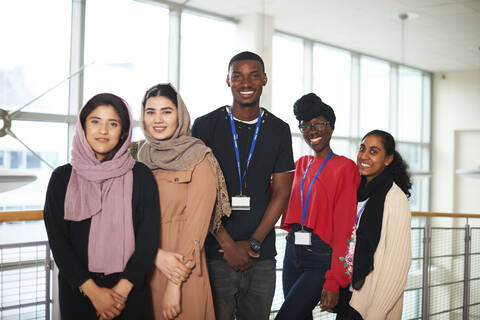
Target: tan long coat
187, 199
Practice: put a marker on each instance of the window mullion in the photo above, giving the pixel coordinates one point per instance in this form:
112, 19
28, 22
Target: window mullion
174, 47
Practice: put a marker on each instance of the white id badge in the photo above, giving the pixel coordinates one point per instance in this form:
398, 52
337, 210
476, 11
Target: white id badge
241, 203
303, 238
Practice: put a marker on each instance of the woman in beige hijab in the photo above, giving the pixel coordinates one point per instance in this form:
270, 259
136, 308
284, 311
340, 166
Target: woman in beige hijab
191, 187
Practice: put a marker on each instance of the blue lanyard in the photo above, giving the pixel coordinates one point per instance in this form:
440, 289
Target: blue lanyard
305, 206
252, 147
359, 213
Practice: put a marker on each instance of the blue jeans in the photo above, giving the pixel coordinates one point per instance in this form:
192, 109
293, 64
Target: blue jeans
242, 295
304, 269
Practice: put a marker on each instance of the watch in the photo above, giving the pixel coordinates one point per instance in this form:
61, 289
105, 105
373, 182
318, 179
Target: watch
255, 245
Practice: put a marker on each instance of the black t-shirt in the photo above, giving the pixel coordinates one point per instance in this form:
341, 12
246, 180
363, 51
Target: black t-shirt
272, 154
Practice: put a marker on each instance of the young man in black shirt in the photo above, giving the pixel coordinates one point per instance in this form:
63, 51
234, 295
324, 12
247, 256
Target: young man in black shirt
254, 149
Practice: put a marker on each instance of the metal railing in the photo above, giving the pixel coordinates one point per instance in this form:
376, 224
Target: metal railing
451, 273
444, 278
443, 281
25, 274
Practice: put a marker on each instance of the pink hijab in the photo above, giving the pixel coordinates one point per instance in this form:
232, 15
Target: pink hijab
102, 191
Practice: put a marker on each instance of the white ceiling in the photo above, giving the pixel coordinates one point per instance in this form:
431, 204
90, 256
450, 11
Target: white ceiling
444, 37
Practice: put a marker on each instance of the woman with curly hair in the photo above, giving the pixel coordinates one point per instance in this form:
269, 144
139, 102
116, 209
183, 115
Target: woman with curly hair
380, 247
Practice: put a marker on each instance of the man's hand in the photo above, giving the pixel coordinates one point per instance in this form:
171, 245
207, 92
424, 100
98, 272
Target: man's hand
328, 300
238, 255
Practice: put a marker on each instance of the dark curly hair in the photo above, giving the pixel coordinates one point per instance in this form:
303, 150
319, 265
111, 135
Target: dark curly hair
399, 167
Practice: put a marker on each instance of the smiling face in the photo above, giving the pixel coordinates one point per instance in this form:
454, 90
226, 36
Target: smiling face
160, 117
103, 129
246, 79
318, 140
372, 157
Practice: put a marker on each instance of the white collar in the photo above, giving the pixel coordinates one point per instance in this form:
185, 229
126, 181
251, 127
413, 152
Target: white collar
229, 109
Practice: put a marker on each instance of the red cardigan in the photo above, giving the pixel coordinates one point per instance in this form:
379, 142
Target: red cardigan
331, 211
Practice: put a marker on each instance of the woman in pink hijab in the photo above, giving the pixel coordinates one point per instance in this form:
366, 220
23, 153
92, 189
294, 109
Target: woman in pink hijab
101, 216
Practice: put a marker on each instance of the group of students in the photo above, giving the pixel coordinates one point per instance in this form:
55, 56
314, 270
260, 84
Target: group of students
181, 225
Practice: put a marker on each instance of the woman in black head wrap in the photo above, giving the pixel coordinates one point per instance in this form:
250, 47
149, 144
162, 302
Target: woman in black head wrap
319, 218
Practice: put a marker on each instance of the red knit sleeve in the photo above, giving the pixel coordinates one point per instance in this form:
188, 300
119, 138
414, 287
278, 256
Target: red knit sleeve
345, 203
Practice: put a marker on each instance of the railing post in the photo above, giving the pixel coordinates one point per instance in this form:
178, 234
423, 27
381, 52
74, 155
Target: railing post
426, 265
466, 272
48, 271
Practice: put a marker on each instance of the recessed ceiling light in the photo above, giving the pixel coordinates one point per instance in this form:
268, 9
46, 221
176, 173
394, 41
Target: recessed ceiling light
407, 16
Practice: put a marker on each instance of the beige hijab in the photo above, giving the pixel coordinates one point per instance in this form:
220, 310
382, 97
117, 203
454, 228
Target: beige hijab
180, 152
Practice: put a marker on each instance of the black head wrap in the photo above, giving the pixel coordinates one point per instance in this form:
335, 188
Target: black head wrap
311, 106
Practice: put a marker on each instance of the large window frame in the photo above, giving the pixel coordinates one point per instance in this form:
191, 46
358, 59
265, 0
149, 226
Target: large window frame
352, 139
77, 67
420, 175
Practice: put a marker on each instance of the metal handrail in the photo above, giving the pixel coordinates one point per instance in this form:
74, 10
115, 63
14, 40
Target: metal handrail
32, 215
444, 215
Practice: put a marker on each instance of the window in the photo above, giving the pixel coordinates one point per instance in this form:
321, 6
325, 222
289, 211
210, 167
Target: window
32, 161
366, 93
412, 154
137, 134
49, 139
288, 85
204, 62
129, 50
332, 83
16, 159
426, 108
419, 201
53, 158
342, 147
2, 158
374, 95
287, 80
410, 96
35, 55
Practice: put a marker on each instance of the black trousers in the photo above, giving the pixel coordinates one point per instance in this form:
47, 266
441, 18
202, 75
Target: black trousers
343, 309
74, 305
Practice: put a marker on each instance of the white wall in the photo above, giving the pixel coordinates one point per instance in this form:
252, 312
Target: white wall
467, 156
455, 128
456, 107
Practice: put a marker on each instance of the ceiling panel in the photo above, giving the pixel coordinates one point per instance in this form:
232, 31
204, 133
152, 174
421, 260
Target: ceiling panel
451, 27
